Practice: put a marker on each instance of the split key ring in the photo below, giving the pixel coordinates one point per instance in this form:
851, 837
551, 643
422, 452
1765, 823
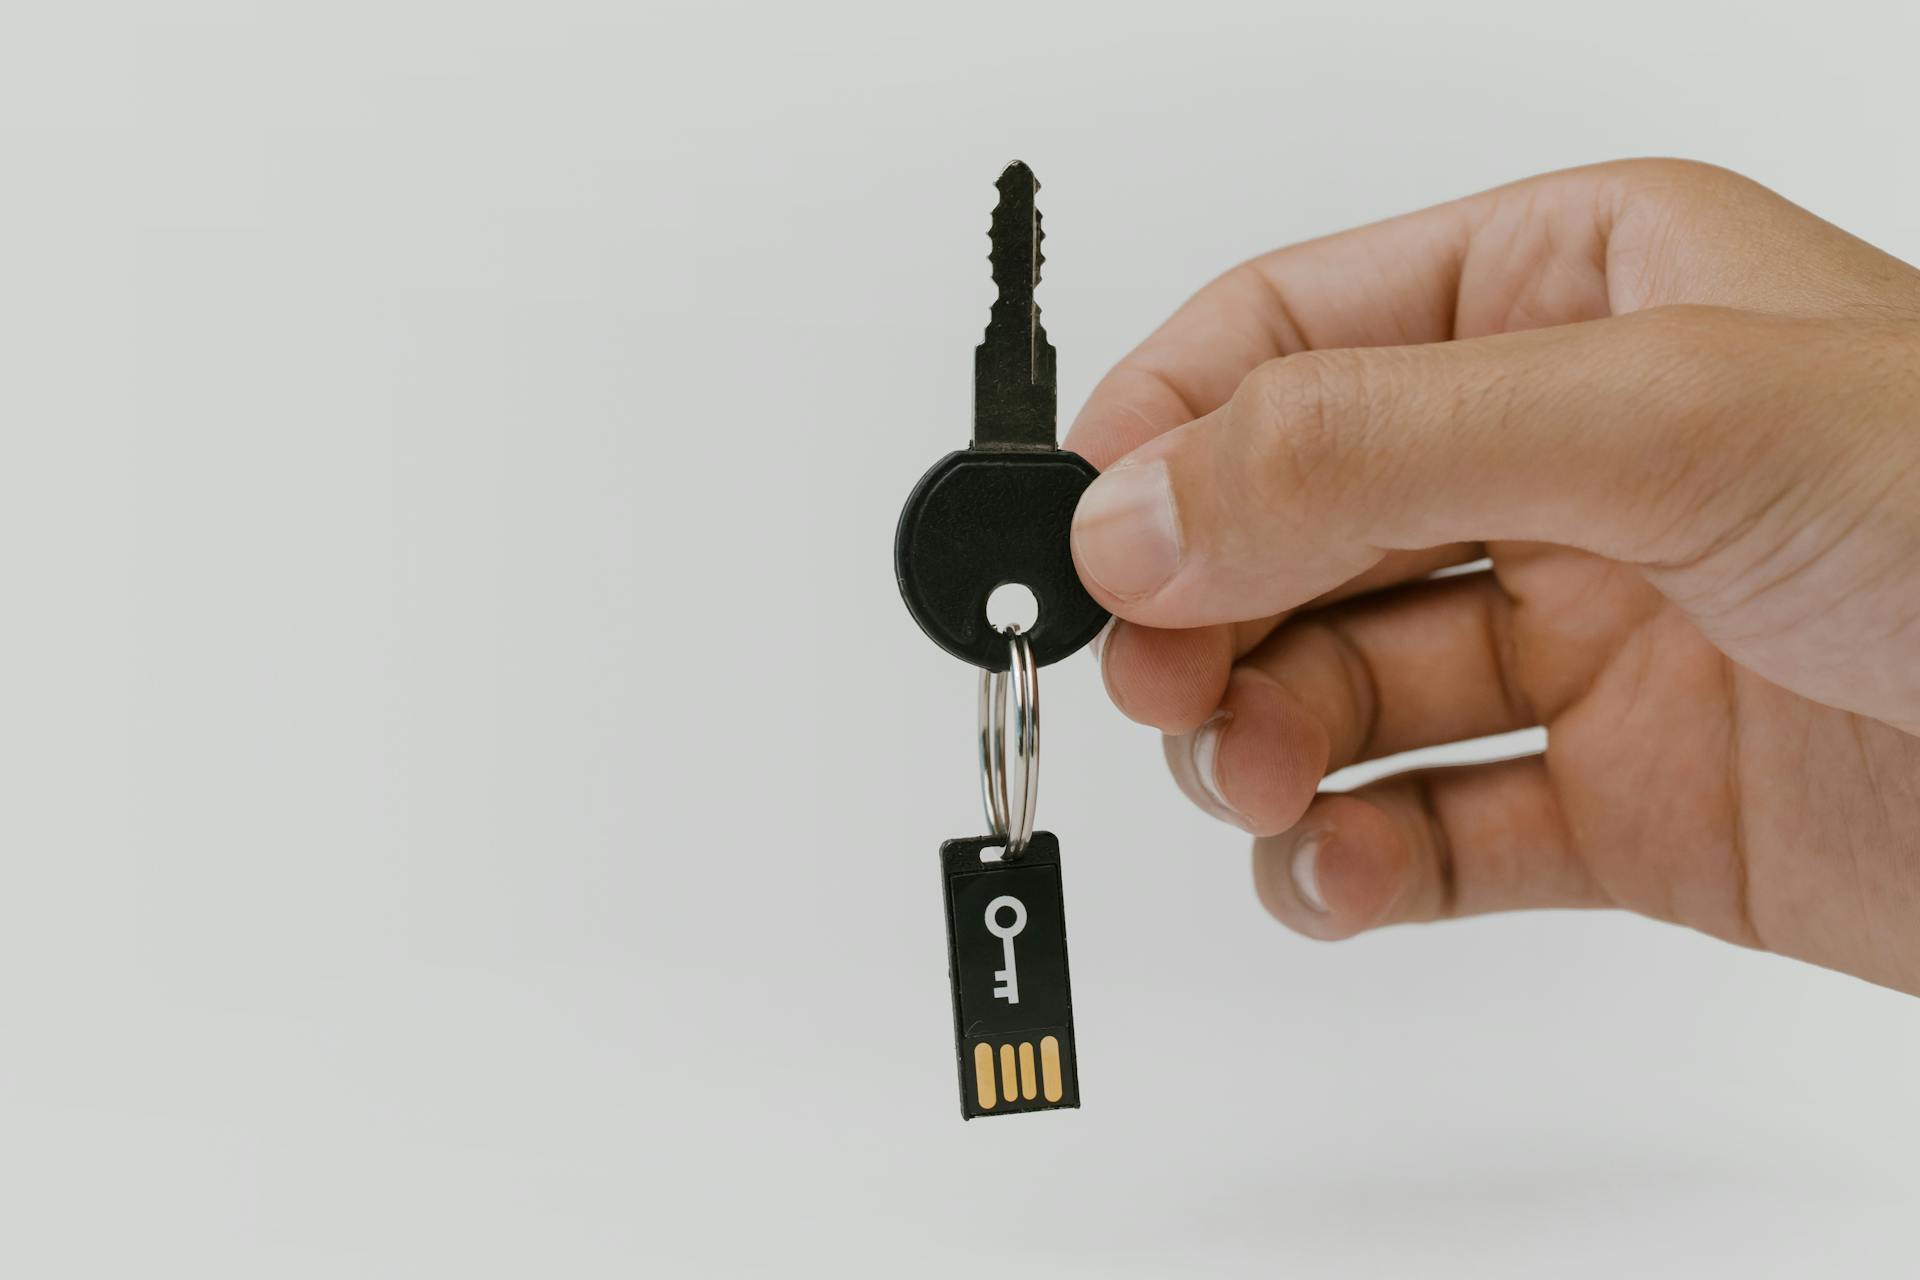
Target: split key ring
1010, 796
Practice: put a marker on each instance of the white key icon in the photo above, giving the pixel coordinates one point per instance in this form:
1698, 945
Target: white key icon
1009, 977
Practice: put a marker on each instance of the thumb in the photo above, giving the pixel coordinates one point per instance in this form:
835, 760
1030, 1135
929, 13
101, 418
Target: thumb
1637, 437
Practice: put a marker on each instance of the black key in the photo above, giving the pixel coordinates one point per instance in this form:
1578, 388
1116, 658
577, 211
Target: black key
1007, 957
1014, 393
1001, 511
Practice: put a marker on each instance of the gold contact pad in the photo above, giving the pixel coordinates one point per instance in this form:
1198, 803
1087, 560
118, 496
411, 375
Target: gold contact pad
1015, 1077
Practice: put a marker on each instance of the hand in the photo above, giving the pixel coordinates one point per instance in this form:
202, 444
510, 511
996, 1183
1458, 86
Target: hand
1682, 418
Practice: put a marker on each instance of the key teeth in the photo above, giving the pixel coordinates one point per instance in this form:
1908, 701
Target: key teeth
1018, 190
1013, 368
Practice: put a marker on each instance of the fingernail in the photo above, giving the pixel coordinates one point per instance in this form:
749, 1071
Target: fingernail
1099, 645
1126, 532
1206, 762
1306, 869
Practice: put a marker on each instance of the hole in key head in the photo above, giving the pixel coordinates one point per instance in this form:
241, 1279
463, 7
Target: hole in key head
993, 853
1013, 605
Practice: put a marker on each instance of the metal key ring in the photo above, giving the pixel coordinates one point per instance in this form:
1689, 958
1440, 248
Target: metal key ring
1011, 799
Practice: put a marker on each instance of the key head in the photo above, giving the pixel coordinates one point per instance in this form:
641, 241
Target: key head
983, 518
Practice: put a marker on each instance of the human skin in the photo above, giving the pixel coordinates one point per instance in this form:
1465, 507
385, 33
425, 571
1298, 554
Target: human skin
1681, 416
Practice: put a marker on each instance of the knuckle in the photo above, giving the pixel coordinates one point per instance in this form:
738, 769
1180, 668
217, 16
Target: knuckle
1670, 203
1291, 421
1679, 174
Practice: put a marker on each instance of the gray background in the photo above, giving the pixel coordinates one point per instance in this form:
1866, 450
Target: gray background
469, 792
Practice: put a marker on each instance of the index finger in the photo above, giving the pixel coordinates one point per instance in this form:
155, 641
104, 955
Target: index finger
1515, 257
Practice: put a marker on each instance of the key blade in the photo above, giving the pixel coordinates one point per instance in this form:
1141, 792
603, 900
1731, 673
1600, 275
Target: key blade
1013, 370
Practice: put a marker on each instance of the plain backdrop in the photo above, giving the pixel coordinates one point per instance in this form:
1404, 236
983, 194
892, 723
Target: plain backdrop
469, 792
